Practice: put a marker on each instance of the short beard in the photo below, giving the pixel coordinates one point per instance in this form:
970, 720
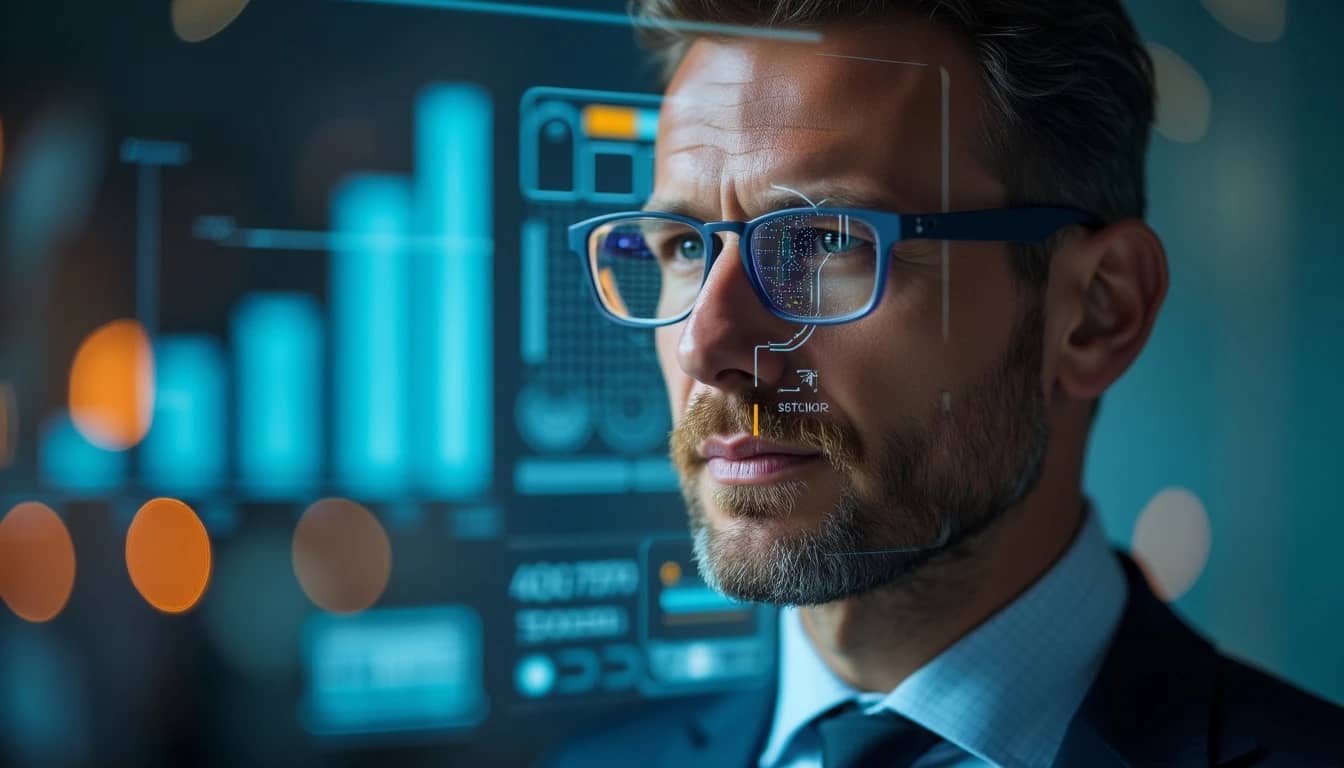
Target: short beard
939, 486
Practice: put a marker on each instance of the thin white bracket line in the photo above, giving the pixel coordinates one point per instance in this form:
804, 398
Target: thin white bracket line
791, 190
873, 59
778, 346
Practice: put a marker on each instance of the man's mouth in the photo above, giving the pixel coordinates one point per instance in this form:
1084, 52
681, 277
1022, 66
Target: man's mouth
745, 460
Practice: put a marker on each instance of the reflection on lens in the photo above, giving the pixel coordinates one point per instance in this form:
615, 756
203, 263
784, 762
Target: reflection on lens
816, 265
647, 268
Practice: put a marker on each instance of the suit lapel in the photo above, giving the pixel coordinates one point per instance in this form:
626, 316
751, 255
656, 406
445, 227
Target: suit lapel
1153, 699
728, 732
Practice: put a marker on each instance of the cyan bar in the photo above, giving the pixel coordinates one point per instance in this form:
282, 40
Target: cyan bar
184, 452
533, 476
533, 278
646, 125
277, 340
655, 475
370, 319
696, 600
600, 17
70, 463
452, 341
154, 152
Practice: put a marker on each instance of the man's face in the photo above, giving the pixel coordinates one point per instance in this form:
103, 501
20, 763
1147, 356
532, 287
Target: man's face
927, 436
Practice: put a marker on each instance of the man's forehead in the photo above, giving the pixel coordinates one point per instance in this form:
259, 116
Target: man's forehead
800, 86
763, 113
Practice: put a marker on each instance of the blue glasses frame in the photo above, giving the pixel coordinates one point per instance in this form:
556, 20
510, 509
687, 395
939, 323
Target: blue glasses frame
1012, 225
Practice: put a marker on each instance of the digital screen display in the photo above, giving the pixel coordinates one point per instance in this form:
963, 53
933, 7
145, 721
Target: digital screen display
319, 444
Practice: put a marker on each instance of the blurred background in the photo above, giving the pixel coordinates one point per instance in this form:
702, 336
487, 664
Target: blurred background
313, 450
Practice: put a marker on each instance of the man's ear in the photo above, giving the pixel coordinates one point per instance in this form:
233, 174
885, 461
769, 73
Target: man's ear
1111, 285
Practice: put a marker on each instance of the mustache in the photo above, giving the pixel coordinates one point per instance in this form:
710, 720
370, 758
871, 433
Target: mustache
709, 415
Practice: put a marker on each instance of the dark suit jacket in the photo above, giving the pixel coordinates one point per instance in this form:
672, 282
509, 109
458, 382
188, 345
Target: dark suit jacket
1164, 697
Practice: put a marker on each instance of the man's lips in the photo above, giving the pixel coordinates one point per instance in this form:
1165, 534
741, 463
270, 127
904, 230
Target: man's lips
744, 446
746, 460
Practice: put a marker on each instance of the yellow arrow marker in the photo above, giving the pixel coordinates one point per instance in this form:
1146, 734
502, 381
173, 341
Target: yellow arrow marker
755, 420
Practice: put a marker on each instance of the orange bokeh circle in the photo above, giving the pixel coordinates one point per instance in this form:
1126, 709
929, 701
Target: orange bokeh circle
342, 556
37, 562
168, 555
112, 385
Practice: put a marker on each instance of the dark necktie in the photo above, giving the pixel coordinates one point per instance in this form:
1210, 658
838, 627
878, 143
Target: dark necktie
851, 739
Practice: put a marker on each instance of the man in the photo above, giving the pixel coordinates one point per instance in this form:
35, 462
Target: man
950, 599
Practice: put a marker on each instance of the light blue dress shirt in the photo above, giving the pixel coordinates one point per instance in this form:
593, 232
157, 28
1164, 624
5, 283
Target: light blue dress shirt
1001, 695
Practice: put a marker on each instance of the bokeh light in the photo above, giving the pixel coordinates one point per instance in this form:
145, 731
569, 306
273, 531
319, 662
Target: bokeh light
168, 555
112, 385
342, 556
45, 717
52, 175
197, 20
37, 562
1260, 21
1184, 104
1171, 541
9, 424
669, 573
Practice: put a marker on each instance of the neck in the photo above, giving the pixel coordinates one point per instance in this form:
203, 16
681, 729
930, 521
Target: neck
876, 640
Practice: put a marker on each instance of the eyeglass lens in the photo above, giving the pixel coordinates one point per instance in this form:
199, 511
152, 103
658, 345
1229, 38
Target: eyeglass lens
809, 265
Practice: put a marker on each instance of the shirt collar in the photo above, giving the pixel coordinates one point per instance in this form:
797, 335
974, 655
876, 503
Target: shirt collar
1006, 691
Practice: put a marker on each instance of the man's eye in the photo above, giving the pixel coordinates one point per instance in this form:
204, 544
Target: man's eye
839, 242
690, 249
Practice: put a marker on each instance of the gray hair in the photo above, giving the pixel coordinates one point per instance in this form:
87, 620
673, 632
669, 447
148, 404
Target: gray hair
1069, 90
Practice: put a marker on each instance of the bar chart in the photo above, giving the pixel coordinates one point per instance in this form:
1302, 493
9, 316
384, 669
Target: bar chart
381, 390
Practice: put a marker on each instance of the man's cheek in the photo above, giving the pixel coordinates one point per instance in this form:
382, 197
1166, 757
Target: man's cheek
676, 380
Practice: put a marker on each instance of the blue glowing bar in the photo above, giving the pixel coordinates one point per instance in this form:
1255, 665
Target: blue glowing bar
655, 475
696, 600
277, 341
535, 476
370, 282
646, 125
154, 152
534, 291
452, 338
69, 462
600, 17
184, 452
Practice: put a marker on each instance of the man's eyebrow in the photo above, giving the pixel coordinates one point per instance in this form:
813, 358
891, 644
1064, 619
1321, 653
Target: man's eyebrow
827, 195
677, 206
823, 195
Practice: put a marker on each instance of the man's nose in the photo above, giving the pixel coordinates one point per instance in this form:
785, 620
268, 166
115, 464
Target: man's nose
728, 321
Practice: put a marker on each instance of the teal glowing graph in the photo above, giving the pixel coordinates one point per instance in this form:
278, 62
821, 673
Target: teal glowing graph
185, 453
406, 329
277, 364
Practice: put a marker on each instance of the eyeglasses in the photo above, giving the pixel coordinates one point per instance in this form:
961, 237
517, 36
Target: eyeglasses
821, 266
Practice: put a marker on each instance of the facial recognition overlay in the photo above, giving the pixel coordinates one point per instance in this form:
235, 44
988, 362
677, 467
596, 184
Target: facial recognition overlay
813, 483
